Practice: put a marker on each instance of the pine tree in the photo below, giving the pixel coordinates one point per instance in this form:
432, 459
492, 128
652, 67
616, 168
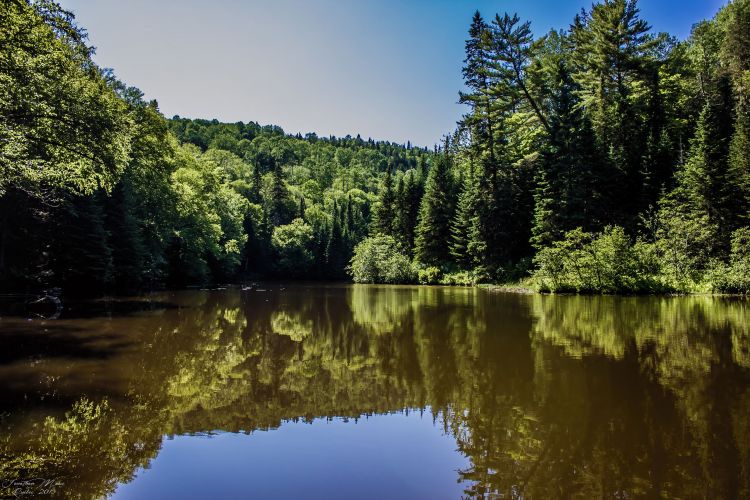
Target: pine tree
481, 119
736, 53
614, 58
465, 244
256, 186
509, 43
383, 220
739, 163
336, 253
703, 198
569, 186
409, 196
279, 201
435, 215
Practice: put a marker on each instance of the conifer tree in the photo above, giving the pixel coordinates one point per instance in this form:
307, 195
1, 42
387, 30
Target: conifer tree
481, 119
465, 243
383, 218
279, 202
409, 196
256, 186
435, 215
736, 53
336, 253
568, 183
615, 58
702, 204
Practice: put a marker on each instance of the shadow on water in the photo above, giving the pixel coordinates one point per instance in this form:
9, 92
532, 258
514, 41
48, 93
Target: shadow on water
56, 341
49, 307
545, 396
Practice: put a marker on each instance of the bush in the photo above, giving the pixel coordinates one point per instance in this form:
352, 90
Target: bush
462, 278
292, 244
429, 276
378, 260
608, 262
734, 277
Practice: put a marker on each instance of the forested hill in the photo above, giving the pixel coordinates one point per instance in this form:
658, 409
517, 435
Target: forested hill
603, 157
99, 193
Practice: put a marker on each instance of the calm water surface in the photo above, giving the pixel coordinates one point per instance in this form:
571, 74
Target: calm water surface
360, 391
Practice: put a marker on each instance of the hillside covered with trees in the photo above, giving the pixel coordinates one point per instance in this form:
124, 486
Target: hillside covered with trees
100, 193
600, 158
603, 157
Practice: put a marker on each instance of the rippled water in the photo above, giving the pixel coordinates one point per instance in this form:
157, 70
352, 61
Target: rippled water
292, 391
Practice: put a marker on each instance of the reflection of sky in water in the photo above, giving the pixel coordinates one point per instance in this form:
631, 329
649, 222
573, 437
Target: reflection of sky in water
381, 456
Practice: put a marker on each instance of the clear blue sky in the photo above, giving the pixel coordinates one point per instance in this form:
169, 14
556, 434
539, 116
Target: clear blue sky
387, 69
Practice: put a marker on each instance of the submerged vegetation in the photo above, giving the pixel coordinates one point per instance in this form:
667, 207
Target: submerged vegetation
600, 158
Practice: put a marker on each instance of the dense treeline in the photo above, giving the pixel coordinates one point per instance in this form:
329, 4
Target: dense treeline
601, 158
100, 193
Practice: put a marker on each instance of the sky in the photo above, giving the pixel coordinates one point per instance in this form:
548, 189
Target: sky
386, 69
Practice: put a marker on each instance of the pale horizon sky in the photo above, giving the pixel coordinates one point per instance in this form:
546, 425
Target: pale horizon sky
388, 70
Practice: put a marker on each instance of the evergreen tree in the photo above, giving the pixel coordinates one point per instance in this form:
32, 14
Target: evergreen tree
736, 53
384, 215
568, 184
409, 196
481, 119
616, 56
435, 215
278, 203
465, 244
702, 202
336, 252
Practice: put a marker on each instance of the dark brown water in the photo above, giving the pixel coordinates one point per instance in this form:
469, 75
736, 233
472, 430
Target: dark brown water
378, 392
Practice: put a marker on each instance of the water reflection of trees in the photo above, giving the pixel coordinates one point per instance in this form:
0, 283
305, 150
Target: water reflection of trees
547, 396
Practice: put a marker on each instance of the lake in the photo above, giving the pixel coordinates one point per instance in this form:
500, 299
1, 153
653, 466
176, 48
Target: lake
358, 391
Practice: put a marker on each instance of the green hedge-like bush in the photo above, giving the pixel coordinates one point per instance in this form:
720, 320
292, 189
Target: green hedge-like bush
429, 276
378, 260
607, 262
734, 277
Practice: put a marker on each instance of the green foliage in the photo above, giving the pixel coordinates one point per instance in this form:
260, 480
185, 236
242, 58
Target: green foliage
336, 249
608, 262
462, 278
465, 241
734, 277
292, 244
377, 259
383, 220
409, 193
568, 191
429, 275
61, 124
434, 227
606, 124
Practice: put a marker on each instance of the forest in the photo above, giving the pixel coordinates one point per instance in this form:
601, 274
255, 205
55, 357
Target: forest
599, 158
